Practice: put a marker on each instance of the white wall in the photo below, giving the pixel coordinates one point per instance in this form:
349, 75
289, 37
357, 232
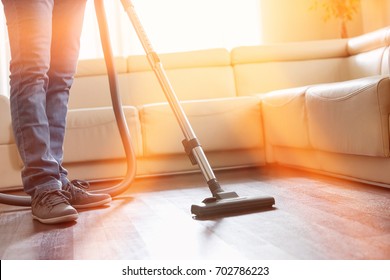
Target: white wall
375, 14
387, 12
292, 20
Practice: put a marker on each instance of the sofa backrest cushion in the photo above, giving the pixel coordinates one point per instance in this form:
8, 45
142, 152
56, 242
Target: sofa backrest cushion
200, 74
264, 68
369, 63
369, 41
369, 54
260, 69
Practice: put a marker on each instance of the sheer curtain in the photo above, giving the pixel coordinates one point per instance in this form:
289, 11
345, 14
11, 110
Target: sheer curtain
171, 25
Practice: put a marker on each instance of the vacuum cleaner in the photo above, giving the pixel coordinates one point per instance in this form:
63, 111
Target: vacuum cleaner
221, 202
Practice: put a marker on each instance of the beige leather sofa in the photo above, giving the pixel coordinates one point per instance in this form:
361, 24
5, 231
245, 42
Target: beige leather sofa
322, 106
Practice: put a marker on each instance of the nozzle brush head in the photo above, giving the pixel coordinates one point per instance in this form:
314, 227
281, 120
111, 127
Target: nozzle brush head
232, 206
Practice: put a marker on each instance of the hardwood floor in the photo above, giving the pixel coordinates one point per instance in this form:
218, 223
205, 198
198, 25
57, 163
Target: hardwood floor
316, 217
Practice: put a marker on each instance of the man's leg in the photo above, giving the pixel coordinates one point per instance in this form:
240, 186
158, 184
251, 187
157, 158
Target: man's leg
67, 25
29, 28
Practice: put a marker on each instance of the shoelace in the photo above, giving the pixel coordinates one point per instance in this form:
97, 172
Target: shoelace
76, 186
50, 198
80, 184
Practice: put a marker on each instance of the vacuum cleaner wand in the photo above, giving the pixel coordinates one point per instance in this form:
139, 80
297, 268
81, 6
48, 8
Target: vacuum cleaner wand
221, 201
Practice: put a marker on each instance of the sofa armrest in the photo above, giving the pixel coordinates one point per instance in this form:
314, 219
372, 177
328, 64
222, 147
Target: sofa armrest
6, 135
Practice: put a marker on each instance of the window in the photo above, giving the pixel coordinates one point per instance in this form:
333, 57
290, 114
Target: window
176, 25
171, 25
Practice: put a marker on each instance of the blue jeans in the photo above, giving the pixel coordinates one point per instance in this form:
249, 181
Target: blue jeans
44, 40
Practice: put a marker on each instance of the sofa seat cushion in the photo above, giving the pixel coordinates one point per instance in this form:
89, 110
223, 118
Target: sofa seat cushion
285, 121
92, 134
350, 117
219, 124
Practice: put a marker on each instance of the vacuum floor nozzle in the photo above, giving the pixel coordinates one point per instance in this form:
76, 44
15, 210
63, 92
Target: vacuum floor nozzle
232, 206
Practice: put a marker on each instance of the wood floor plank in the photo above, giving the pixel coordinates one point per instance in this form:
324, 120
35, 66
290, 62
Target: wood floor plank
315, 217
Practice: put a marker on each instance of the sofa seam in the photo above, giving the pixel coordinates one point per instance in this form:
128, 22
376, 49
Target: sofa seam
348, 96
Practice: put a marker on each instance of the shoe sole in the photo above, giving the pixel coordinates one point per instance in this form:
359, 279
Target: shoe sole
93, 204
57, 220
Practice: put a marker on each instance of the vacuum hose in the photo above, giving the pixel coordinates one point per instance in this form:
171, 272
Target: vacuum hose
23, 200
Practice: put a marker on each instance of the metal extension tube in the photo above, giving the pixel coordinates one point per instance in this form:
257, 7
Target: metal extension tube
171, 97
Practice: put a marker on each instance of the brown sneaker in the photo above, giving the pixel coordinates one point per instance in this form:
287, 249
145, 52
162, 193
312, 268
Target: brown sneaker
52, 207
80, 198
